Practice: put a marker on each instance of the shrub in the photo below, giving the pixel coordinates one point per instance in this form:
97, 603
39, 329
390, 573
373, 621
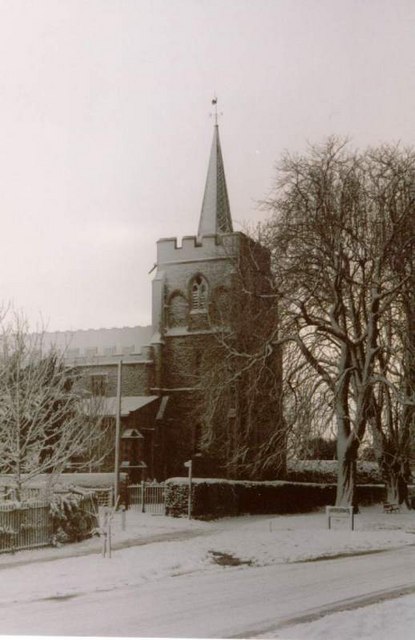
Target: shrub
326, 471
209, 497
74, 516
320, 449
214, 498
176, 496
284, 497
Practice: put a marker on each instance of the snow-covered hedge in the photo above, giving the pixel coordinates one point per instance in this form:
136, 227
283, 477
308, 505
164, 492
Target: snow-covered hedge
218, 498
326, 471
209, 497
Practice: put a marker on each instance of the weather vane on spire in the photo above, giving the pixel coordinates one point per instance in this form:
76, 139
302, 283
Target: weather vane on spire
215, 114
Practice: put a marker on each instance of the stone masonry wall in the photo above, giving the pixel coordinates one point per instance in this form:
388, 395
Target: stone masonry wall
137, 378
225, 265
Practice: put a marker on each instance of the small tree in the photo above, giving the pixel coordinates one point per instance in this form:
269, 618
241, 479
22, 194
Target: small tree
44, 422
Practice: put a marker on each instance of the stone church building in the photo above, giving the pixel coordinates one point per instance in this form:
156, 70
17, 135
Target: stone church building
193, 283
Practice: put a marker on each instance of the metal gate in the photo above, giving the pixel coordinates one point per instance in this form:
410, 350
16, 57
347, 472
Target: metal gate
147, 497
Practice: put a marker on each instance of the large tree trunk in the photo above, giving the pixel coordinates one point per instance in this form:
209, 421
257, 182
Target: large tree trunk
393, 461
347, 444
396, 474
346, 476
396, 490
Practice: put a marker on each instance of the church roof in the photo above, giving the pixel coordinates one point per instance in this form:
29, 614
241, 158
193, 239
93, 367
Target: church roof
216, 214
90, 343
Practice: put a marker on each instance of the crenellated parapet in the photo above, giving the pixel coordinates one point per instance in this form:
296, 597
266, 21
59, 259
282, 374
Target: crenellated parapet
194, 249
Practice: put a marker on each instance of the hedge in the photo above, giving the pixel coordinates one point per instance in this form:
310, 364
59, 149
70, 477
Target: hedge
218, 498
325, 471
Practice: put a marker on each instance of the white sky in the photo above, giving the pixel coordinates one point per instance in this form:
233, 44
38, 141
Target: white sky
105, 130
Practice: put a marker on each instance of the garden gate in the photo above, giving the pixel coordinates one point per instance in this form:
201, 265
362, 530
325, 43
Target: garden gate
148, 497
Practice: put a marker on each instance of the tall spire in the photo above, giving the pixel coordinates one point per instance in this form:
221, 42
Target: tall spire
215, 216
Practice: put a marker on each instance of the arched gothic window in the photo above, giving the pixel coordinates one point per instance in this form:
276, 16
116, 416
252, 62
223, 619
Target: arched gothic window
199, 293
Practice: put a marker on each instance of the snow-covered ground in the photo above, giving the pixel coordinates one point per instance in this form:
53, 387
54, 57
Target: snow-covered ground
391, 619
153, 549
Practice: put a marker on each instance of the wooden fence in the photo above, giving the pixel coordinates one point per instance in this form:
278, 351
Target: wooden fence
25, 525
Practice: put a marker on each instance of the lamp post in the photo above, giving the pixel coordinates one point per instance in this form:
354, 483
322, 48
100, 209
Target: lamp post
117, 435
189, 466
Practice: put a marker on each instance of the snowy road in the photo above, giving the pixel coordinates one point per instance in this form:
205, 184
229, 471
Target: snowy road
224, 602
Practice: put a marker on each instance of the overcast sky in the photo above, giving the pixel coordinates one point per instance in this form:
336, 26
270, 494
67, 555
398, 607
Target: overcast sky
105, 130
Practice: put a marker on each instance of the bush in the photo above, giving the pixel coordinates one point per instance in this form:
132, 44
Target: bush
218, 498
326, 471
284, 497
176, 496
74, 516
215, 499
320, 449
209, 497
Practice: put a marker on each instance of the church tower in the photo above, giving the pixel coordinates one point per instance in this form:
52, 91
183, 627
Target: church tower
191, 291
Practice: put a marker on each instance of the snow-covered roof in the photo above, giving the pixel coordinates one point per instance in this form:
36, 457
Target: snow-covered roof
99, 342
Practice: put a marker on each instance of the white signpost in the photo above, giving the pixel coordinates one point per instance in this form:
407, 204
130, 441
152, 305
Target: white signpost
189, 466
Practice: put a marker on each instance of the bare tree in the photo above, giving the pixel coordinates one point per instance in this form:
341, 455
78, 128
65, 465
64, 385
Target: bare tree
393, 423
240, 378
44, 422
308, 406
338, 216
393, 403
